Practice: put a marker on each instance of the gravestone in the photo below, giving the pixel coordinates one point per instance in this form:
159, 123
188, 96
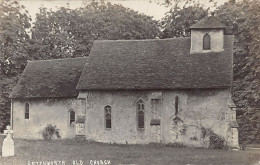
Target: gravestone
8, 143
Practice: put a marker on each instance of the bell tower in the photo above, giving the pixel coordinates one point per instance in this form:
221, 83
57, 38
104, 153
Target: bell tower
207, 35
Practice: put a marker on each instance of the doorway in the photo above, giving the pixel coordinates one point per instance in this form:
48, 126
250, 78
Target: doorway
155, 124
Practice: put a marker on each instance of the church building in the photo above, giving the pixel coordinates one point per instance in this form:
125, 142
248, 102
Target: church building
175, 90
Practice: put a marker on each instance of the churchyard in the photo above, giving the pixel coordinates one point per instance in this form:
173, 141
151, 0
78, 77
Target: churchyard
72, 152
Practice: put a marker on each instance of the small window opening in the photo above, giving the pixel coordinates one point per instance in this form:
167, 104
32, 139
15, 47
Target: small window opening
108, 117
27, 111
72, 117
140, 114
206, 42
176, 105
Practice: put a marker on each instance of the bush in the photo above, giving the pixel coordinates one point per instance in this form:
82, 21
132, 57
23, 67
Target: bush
215, 141
49, 131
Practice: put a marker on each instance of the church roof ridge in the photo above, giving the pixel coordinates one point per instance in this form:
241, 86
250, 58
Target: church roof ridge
142, 40
209, 22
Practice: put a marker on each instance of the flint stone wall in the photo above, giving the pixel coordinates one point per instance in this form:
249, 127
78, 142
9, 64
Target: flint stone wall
197, 109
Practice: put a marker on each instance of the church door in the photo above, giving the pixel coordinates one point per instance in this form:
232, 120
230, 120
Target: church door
155, 123
155, 133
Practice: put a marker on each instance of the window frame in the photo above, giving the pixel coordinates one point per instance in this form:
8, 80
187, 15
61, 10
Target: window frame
72, 123
176, 105
206, 42
140, 107
107, 112
27, 111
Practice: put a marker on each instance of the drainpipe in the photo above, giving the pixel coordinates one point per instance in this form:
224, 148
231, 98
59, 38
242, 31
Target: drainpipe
11, 122
86, 103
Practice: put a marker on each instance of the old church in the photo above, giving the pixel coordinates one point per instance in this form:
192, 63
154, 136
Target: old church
134, 91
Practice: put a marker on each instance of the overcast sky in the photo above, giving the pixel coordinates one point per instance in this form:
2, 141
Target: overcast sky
148, 7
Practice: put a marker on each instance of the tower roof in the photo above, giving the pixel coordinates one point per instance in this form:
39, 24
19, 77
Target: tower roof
210, 22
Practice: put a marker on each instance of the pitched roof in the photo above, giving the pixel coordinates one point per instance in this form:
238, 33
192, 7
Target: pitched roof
208, 23
155, 64
49, 78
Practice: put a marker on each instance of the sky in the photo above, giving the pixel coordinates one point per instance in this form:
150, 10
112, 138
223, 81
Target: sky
143, 6
148, 7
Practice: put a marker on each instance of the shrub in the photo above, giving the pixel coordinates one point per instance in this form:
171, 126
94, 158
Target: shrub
49, 131
215, 141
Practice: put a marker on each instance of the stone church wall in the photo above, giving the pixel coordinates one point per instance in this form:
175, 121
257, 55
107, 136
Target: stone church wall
198, 110
42, 113
124, 120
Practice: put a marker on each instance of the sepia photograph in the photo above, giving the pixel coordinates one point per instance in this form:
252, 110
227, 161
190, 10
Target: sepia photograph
129, 82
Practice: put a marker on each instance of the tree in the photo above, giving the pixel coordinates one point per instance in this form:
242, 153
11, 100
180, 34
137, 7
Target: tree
182, 3
178, 20
67, 33
14, 23
243, 19
64, 33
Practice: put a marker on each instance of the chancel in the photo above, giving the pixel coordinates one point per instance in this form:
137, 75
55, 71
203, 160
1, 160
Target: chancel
134, 91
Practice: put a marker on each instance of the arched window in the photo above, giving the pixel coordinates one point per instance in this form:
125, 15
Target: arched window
140, 114
206, 42
72, 117
176, 105
108, 117
27, 111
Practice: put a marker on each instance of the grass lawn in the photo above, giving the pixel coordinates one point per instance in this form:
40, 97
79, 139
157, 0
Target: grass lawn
69, 150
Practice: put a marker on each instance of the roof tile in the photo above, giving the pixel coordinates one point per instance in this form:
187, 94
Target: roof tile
49, 78
208, 23
155, 64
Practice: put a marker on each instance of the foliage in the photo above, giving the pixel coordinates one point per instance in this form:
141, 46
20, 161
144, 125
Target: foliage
67, 33
70, 33
178, 20
14, 23
63, 33
49, 131
243, 20
181, 3
215, 141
